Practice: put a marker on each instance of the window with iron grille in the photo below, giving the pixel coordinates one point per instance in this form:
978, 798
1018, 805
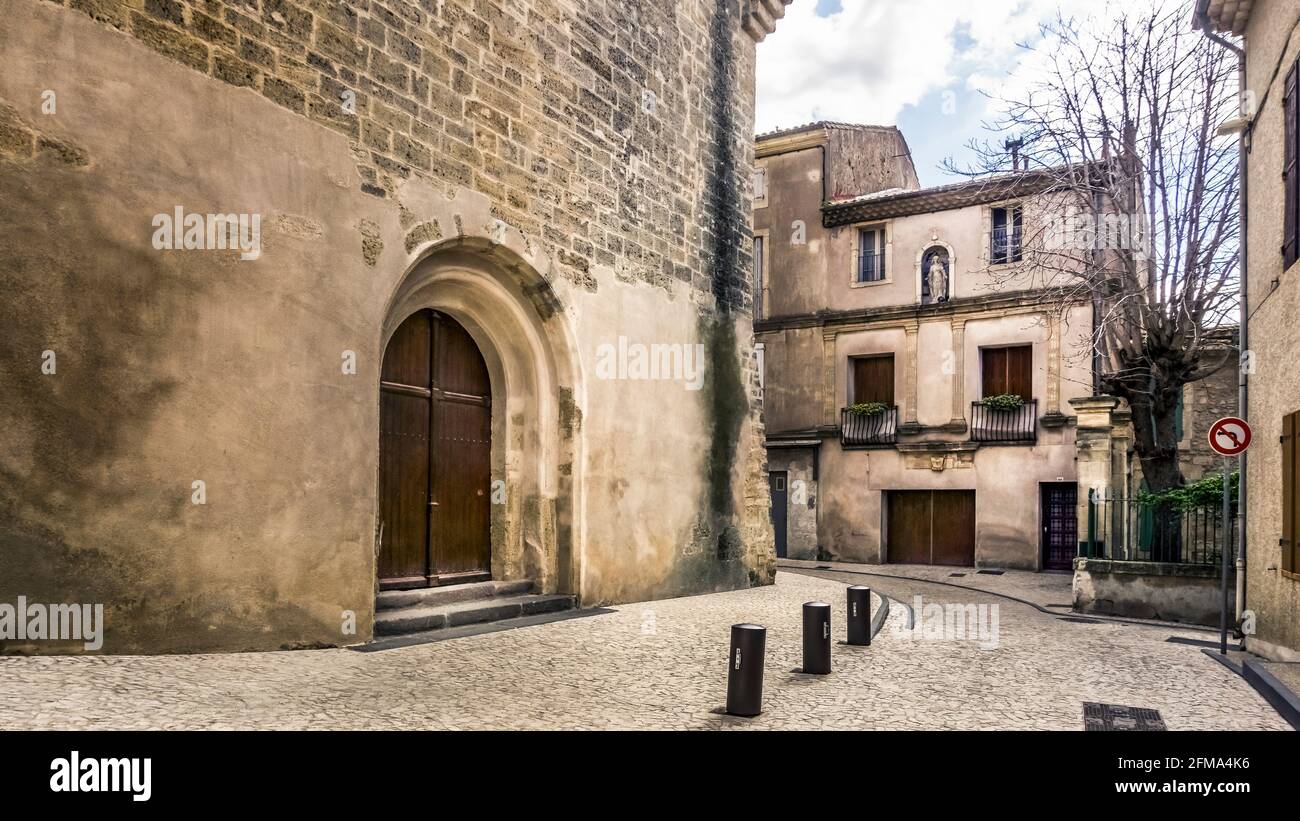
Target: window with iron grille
1008, 224
759, 284
871, 255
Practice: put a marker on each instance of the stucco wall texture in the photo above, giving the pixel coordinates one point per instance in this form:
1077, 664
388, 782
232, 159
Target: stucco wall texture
1274, 335
555, 174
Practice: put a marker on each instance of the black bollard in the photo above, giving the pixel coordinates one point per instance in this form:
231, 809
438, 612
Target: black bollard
860, 616
745, 670
817, 638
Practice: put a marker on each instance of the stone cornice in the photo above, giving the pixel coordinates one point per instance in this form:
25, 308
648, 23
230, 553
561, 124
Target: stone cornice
905, 315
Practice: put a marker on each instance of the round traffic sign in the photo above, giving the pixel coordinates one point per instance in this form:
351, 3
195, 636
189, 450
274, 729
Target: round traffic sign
1230, 436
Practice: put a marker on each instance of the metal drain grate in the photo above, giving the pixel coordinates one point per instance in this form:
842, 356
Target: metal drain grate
1108, 717
990, 572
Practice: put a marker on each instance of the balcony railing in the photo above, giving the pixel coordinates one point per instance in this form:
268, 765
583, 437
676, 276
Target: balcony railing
998, 425
880, 428
871, 266
1006, 246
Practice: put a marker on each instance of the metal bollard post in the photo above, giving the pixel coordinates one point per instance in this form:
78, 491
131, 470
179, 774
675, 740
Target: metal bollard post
860, 616
817, 638
745, 670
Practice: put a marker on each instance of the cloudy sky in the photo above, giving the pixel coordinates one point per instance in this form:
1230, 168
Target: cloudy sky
917, 64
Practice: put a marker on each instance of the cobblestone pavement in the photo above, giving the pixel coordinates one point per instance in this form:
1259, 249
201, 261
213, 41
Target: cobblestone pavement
659, 665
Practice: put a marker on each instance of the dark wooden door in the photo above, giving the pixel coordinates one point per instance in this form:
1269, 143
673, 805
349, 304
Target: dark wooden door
931, 527
435, 456
778, 483
1060, 525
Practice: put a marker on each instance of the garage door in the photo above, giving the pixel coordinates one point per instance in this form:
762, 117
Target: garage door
931, 527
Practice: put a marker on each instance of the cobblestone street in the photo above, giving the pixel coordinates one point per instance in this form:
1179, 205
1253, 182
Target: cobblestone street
663, 666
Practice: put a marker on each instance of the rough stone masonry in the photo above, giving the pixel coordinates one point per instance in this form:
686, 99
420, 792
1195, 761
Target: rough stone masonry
189, 428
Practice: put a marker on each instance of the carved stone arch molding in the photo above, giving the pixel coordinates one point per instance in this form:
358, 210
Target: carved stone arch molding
516, 320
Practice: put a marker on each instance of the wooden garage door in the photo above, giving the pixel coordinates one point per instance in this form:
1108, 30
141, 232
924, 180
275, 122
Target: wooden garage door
931, 527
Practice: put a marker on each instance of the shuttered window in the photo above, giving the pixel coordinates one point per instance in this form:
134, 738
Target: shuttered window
1009, 371
1291, 167
873, 379
1290, 488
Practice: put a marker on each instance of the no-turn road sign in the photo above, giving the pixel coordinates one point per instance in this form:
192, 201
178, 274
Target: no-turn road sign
1230, 436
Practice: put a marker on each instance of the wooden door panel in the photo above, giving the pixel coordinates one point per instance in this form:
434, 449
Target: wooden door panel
909, 527
403, 487
953, 523
459, 367
462, 490
407, 357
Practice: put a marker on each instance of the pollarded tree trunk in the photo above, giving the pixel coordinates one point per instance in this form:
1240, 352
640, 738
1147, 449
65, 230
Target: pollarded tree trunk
1155, 432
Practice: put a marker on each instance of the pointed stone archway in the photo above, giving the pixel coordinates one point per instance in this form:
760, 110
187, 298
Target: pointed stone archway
513, 317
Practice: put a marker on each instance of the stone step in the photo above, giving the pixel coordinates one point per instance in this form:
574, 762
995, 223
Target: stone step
438, 596
421, 618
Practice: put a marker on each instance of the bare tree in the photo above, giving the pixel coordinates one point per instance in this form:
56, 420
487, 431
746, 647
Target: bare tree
1137, 212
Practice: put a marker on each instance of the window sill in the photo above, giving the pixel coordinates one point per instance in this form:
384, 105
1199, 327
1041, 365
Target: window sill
885, 281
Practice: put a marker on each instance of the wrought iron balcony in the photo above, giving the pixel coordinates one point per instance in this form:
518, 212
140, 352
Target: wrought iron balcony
871, 266
1005, 247
880, 428
999, 425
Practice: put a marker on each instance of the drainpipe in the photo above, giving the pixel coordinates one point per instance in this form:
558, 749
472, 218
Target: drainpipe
1243, 337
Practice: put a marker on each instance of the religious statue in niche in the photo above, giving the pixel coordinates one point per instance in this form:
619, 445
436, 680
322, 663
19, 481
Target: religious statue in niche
934, 280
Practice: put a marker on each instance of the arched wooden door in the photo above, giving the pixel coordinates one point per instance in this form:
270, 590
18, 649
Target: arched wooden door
435, 449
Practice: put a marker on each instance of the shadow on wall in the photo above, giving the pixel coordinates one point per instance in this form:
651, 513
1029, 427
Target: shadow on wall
81, 521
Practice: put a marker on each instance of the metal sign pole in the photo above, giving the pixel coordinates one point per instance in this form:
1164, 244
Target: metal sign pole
1227, 542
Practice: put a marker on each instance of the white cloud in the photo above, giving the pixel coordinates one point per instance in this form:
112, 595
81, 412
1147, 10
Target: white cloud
867, 62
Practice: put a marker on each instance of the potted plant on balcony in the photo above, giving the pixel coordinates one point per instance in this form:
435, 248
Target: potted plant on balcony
868, 408
1003, 402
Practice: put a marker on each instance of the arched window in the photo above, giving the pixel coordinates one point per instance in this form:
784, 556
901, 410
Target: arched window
936, 275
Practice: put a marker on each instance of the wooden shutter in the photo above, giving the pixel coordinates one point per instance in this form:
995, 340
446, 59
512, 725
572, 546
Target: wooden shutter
1020, 371
994, 367
1014, 235
873, 379
1289, 488
1009, 370
1290, 171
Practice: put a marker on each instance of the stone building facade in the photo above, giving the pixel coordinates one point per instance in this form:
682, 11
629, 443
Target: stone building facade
1270, 33
887, 319
192, 410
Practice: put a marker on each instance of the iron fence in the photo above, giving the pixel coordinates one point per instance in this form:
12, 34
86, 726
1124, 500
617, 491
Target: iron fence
880, 428
1137, 530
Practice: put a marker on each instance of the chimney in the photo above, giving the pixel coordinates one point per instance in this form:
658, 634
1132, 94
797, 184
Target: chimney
1014, 147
